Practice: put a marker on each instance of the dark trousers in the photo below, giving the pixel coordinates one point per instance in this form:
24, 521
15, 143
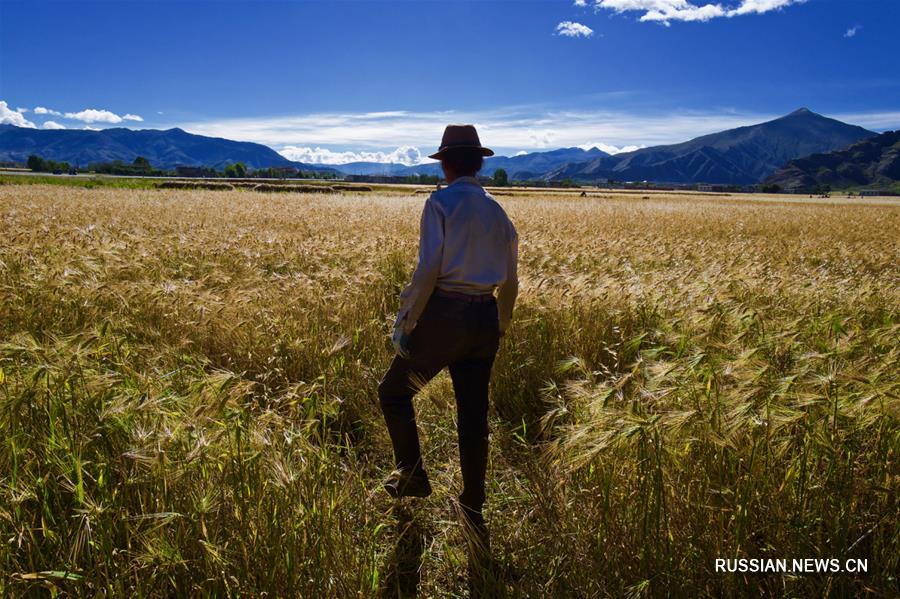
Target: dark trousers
463, 336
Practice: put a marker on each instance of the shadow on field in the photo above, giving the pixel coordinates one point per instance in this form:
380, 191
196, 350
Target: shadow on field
403, 569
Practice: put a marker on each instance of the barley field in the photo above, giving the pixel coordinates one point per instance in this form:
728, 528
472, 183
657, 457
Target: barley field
188, 397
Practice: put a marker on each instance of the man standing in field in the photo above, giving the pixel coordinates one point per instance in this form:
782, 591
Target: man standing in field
449, 317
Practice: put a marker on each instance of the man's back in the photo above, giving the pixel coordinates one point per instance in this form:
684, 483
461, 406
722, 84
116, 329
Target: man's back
477, 238
467, 244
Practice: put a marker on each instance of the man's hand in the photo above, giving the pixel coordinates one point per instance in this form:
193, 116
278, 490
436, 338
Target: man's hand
401, 342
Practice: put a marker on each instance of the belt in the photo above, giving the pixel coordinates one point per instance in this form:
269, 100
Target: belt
466, 297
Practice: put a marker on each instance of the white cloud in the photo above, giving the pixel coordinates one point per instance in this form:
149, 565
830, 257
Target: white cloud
407, 155
665, 11
13, 117
385, 135
876, 121
21, 110
759, 7
89, 128
610, 149
52, 125
581, 3
573, 29
539, 138
853, 31
91, 115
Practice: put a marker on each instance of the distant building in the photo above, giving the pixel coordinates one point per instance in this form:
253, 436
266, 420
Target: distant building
715, 188
194, 171
376, 178
284, 171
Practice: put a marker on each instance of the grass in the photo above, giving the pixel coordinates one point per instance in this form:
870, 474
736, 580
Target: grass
121, 182
187, 397
98, 181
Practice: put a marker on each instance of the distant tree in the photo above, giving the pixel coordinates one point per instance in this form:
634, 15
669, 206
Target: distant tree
35, 163
142, 162
501, 179
38, 164
236, 170
770, 188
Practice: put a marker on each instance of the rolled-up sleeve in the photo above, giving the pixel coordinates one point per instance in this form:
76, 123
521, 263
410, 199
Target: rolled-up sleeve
431, 249
509, 289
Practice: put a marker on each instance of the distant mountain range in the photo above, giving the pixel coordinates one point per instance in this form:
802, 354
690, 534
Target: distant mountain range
872, 162
745, 155
738, 156
386, 169
525, 166
534, 165
164, 149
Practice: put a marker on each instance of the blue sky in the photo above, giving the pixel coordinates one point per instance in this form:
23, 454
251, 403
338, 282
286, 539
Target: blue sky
339, 80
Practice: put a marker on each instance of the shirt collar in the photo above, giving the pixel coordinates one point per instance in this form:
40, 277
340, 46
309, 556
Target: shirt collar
472, 180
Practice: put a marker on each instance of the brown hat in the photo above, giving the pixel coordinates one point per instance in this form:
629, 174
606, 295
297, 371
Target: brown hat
461, 136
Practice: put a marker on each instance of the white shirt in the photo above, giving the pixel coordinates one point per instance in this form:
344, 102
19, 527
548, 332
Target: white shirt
467, 244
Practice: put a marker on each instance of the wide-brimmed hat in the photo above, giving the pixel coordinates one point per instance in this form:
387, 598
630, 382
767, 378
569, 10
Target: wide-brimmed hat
461, 136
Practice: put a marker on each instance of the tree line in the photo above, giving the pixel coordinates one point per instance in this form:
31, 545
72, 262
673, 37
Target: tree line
141, 167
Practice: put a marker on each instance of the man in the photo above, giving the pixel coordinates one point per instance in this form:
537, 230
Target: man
449, 317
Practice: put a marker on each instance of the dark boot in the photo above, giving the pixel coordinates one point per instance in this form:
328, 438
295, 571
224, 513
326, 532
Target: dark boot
406, 483
473, 457
395, 394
